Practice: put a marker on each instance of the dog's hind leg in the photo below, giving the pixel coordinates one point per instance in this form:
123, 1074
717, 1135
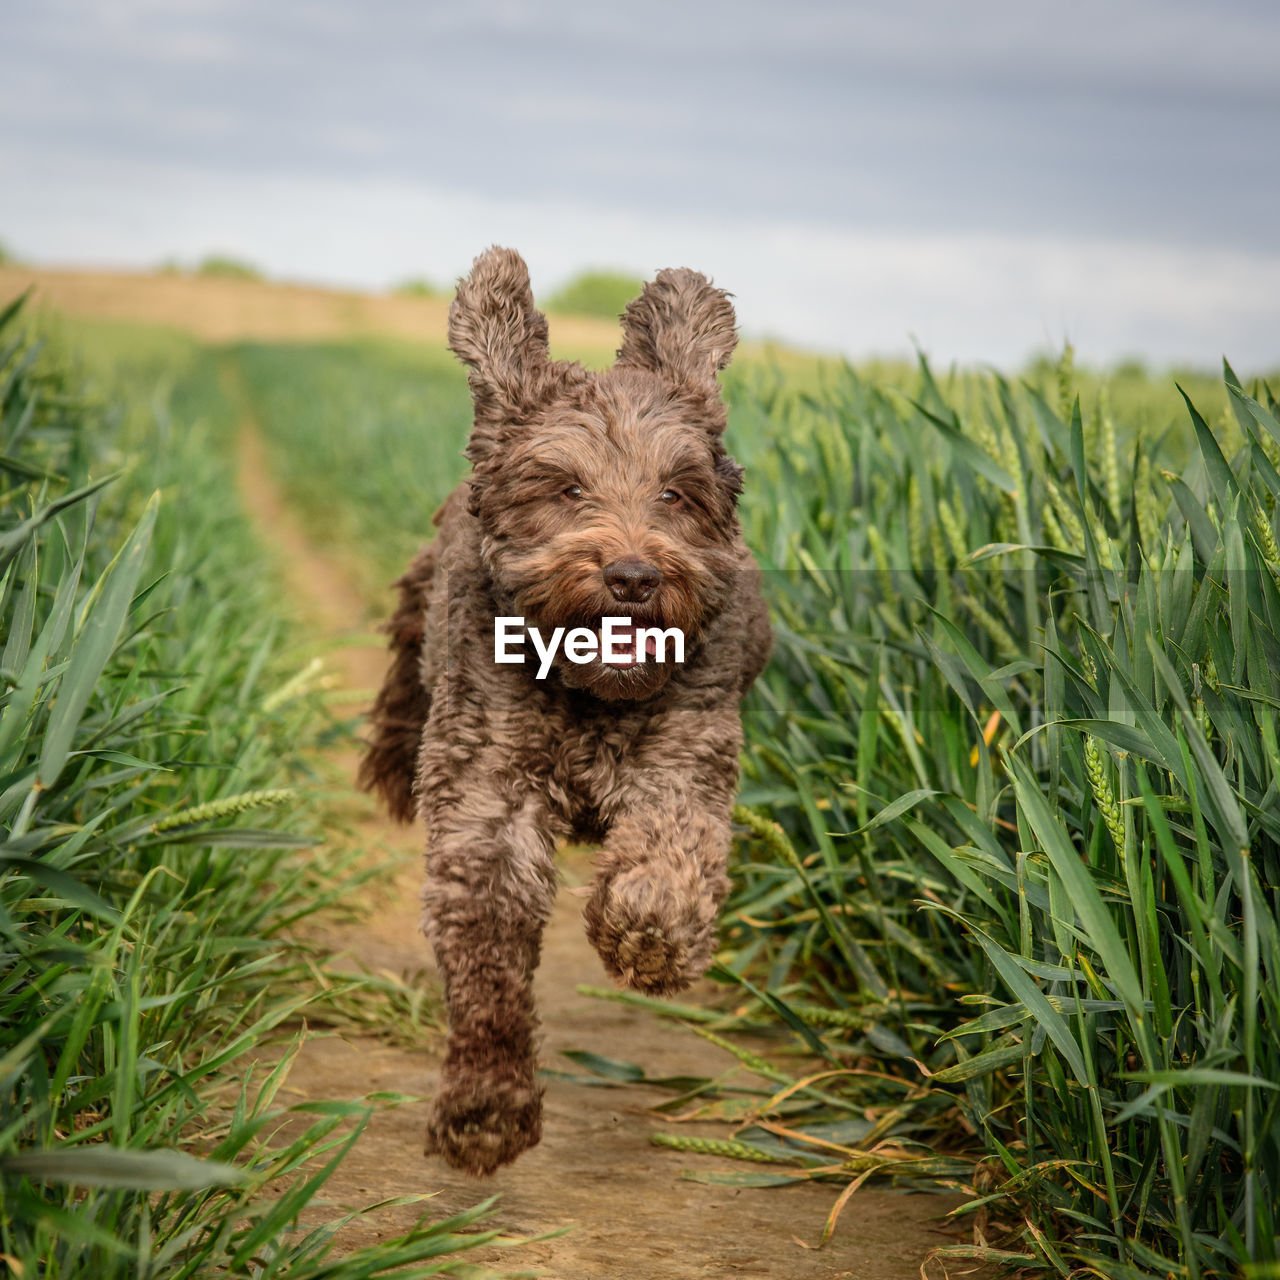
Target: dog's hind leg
489, 890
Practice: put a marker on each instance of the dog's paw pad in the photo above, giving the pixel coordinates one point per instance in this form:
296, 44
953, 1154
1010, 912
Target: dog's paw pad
653, 936
478, 1130
646, 958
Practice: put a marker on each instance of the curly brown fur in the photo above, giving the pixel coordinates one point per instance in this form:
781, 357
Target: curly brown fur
403, 703
574, 474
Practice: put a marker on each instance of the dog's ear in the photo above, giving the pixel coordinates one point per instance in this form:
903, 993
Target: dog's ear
681, 327
495, 329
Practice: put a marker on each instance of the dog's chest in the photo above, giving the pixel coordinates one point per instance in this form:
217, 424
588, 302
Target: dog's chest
582, 751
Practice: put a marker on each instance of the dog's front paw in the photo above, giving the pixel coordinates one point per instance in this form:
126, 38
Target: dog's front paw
654, 926
482, 1122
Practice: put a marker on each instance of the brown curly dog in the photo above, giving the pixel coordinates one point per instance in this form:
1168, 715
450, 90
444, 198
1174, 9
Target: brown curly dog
591, 496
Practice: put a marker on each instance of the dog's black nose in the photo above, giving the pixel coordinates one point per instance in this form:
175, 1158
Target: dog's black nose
631, 579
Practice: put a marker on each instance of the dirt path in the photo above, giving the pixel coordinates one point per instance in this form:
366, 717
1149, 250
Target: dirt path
631, 1213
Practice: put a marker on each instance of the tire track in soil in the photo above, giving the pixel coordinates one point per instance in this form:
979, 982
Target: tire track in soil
595, 1171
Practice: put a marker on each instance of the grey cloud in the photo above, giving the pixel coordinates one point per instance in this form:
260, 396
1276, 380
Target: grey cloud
1151, 122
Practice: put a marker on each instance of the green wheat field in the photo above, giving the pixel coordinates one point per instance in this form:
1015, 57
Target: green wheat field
1007, 890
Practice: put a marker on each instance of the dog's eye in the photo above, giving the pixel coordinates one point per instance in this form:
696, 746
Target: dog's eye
670, 497
573, 493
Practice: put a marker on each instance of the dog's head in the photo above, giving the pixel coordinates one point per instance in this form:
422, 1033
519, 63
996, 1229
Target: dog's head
602, 494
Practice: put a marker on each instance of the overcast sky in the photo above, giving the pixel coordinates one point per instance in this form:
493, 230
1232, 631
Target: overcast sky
985, 177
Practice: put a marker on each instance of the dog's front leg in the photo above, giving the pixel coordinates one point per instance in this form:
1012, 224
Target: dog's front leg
489, 889
661, 876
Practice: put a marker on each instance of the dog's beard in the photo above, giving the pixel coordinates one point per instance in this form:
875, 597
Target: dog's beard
630, 674
572, 596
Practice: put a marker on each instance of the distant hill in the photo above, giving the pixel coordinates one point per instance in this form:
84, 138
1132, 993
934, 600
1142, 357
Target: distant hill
595, 293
